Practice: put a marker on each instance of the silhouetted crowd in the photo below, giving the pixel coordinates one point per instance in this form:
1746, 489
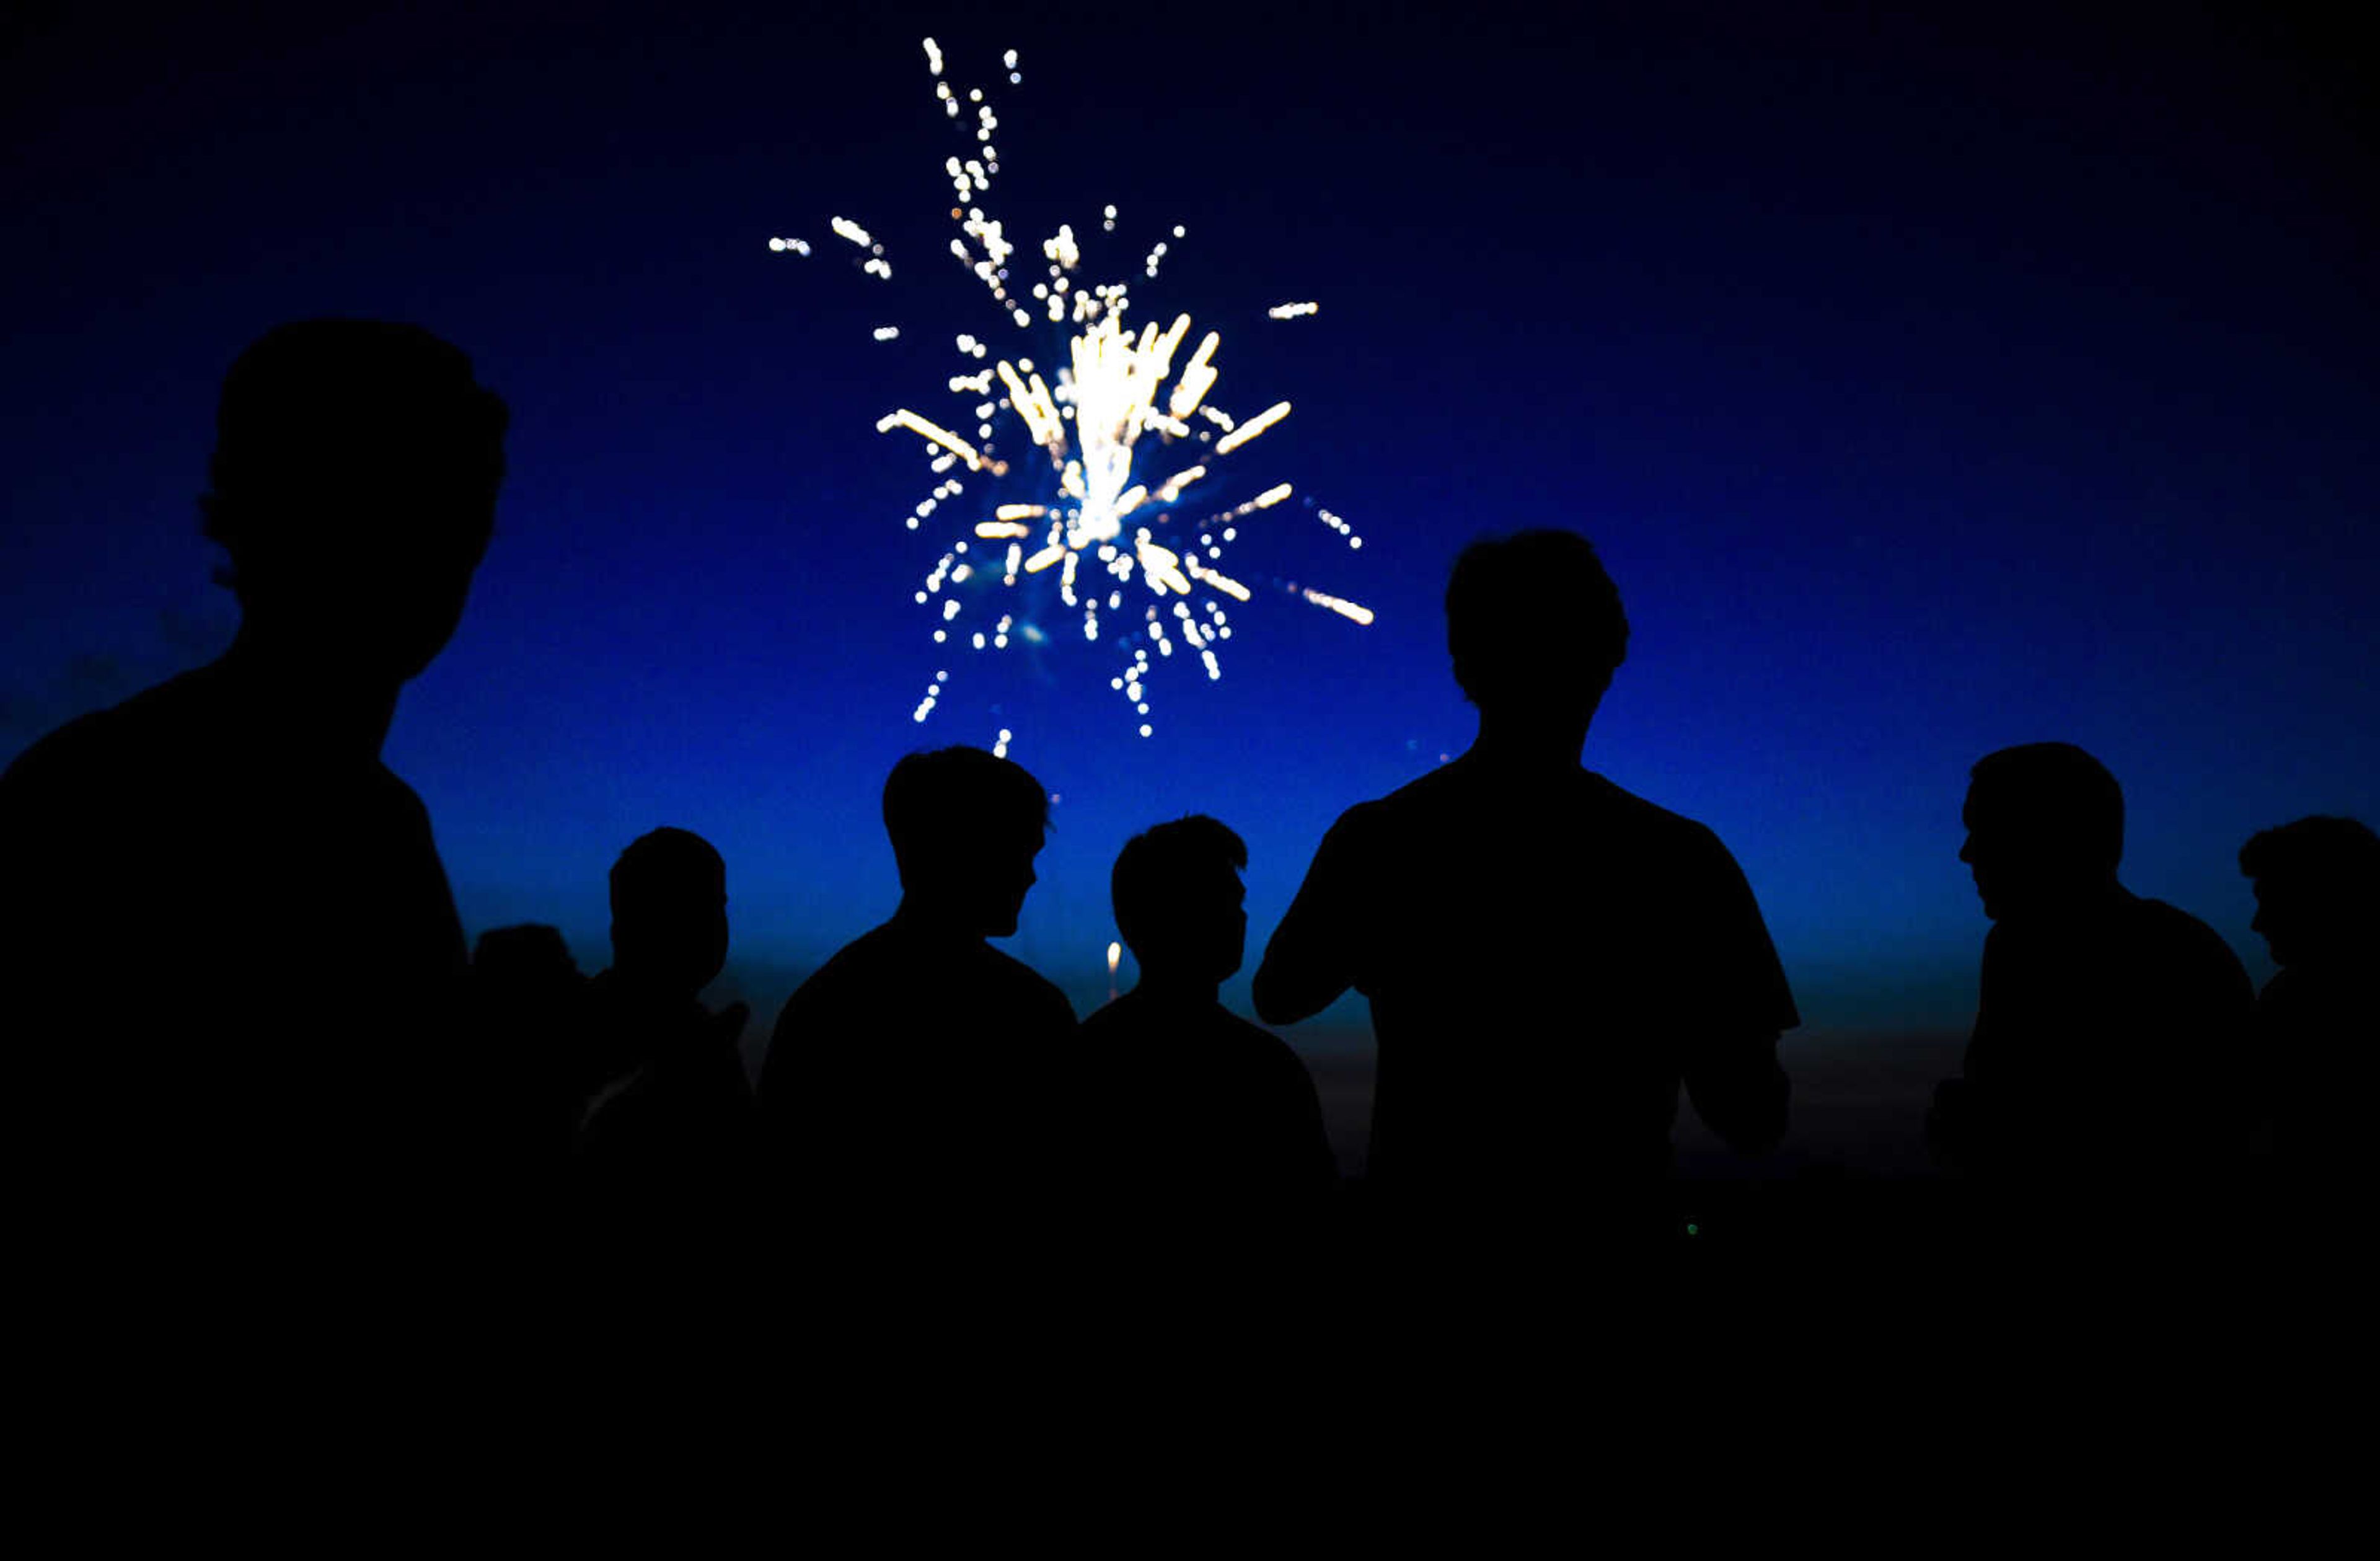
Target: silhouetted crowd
252, 1051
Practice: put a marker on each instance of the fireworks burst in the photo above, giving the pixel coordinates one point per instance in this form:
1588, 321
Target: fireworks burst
1084, 506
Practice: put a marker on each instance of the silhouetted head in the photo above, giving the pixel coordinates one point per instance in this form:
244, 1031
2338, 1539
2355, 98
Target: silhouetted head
354, 485
1534, 625
1179, 902
2044, 829
2317, 886
526, 954
669, 912
523, 969
965, 827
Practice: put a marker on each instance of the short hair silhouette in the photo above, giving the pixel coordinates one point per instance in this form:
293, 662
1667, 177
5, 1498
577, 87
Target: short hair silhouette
2053, 802
942, 807
1532, 613
1152, 872
532, 954
2318, 882
668, 899
2333, 858
371, 427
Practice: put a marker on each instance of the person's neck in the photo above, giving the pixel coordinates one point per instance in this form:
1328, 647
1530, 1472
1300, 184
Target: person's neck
292, 689
635, 986
2082, 903
1530, 744
1175, 989
936, 918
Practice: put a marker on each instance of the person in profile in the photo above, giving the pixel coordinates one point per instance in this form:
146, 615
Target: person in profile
663, 1152
1222, 1143
2317, 888
1548, 956
912, 1092
235, 960
2096, 1100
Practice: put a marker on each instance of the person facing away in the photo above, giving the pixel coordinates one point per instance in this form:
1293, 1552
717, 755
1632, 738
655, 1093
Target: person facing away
1218, 1130
243, 962
2108, 1030
2317, 888
1548, 956
664, 1143
913, 1078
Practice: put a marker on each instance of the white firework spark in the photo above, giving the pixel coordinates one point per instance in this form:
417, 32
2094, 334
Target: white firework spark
1096, 514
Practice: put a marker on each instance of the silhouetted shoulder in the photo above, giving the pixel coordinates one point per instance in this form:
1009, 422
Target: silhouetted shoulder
890, 949
2171, 927
1581, 798
115, 748
1261, 1047
191, 742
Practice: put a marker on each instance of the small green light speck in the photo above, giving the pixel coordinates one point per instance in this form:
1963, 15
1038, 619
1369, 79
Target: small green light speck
1693, 1230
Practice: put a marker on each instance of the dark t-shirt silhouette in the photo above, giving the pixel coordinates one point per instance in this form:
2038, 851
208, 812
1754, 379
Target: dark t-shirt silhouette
1548, 956
918, 1076
2109, 1043
244, 970
1214, 1121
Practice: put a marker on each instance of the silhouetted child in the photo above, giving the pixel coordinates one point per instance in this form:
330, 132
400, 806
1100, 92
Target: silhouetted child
2101, 1084
1547, 955
911, 1089
2317, 887
1216, 1132
236, 966
665, 1149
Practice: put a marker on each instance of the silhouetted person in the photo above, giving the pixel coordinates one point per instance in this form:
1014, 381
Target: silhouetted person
664, 1151
2100, 1085
1547, 955
243, 963
911, 1089
1215, 1131
2317, 887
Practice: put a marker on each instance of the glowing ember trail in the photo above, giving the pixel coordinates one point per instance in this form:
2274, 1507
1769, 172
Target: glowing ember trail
1092, 514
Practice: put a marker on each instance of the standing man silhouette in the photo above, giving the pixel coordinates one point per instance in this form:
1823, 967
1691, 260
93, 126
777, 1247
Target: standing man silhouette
235, 962
2093, 1103
663, 1156
2317, 887
1217, 1119
911, 1093
1548, 956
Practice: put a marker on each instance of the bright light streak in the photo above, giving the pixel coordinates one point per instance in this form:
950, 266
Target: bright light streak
1251, 428
1344, 608
904, 417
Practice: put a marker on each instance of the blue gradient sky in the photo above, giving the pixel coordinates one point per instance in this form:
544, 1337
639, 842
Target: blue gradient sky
1928, 386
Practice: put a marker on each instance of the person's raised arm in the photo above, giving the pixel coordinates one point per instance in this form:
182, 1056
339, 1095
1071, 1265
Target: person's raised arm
1312, 956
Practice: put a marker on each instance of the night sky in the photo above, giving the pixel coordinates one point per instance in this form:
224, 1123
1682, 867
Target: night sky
1927, 384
